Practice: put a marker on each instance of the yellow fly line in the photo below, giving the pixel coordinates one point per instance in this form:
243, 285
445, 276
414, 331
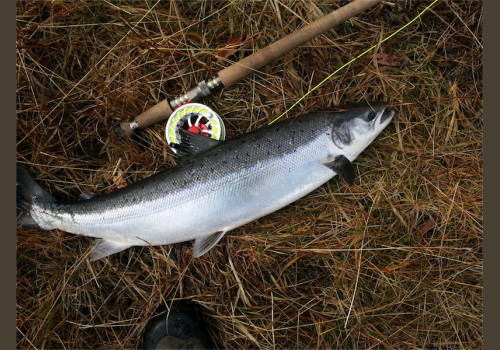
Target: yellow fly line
354, 59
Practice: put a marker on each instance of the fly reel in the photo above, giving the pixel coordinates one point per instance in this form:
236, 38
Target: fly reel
195, 118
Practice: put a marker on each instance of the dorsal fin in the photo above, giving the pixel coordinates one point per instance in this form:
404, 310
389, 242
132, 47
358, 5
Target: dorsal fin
192, 144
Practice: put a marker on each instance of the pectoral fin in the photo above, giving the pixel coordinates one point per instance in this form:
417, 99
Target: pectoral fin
204, 244
106, 247
342, 166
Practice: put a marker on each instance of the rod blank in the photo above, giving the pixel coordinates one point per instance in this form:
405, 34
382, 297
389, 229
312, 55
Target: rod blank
250, 64
257, 60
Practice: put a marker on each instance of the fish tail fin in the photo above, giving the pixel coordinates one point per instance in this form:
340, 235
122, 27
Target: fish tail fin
28, 194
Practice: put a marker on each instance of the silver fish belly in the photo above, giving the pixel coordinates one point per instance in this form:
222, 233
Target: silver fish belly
227, 186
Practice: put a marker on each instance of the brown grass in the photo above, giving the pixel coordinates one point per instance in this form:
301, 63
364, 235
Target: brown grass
394, 261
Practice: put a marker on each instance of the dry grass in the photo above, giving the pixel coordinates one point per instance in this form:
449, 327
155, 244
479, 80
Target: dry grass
394, 261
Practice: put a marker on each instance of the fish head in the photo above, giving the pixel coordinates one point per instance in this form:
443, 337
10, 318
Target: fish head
354, 130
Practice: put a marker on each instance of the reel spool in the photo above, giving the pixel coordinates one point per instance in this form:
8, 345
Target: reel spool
196, 118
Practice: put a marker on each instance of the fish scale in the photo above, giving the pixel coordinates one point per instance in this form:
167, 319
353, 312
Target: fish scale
224, 187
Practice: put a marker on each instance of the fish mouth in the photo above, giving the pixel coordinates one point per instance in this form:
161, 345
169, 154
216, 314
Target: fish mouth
386, 116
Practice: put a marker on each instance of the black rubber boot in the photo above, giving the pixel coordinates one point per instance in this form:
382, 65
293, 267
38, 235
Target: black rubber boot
181, 330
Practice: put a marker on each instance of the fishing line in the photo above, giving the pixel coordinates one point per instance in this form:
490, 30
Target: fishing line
354, 59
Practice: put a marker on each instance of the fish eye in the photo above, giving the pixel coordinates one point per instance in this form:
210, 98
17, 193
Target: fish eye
371, 115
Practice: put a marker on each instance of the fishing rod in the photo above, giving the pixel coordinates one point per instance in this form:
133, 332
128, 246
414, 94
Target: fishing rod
239, 70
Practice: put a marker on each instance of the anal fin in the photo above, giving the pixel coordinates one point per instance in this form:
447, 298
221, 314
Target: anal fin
105, 247
343, 166
204, 244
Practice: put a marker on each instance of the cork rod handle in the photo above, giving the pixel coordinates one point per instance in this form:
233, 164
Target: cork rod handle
158, 112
